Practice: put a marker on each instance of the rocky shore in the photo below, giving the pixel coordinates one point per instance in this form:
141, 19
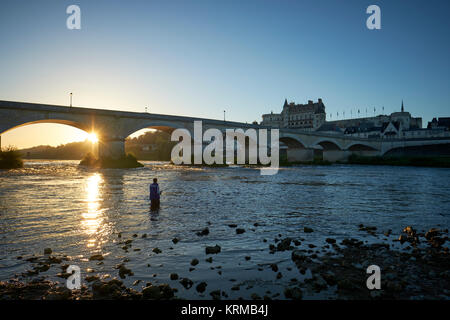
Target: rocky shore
418, 269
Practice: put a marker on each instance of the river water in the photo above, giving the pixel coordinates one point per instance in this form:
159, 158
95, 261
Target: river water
80, 212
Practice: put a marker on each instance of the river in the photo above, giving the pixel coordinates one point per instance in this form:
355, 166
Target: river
80, 212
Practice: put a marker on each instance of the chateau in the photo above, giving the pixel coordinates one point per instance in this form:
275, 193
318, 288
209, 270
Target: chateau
306, 117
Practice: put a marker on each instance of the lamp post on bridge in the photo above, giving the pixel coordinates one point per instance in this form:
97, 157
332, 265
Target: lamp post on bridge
71, 99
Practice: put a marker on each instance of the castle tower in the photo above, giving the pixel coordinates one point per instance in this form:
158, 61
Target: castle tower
403, 109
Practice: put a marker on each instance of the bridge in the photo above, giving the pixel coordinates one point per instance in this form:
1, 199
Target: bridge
113, 127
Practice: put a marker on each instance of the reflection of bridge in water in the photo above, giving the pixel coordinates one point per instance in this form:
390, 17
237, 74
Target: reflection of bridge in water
112, 127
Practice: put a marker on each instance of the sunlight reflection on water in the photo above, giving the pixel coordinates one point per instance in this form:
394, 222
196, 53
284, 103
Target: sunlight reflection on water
93, 220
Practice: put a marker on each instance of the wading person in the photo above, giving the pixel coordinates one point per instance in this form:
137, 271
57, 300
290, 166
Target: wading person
154, 195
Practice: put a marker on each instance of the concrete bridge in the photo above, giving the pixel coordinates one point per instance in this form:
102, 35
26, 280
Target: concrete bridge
112, 127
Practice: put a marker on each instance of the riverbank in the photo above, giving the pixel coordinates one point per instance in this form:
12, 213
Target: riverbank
420, 269
433, 162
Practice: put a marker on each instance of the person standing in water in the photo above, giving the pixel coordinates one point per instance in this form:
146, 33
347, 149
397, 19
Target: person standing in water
154, 195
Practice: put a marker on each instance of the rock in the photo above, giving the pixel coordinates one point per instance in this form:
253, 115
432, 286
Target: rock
247, 258
274, 267
54, 260
186, 283
201, 287
213, 250
96, 257
330, 240
210, 259
235, 287
48, 251
60, 293
433, 232
279, 275
173, 276
135, 235
293, 293
152, 292
232, 225
166, 291
352, 242
157, 250
204, 232
307, 230
144, 236
409, 230
136, 282
109, 290
215, 294
175, 240
402, 239
297, 255
284, 244
240, 231
437, 242
194, 262
123, 271
43, 267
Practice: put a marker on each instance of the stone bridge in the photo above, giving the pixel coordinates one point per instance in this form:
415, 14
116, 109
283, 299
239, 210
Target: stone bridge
113, 127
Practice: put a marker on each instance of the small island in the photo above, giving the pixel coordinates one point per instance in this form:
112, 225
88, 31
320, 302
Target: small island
10, 158
128, 161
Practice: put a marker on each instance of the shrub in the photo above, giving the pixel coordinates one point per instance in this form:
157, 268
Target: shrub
10, 158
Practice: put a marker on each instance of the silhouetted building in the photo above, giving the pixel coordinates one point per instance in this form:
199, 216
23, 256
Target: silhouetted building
439, 123
308, 117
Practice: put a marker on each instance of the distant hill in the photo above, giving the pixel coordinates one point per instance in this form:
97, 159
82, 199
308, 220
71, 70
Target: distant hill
154, 145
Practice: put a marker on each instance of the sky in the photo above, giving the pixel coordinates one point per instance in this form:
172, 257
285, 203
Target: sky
201, 57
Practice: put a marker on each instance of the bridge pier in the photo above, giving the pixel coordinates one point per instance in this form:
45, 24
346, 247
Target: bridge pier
336, 155
299, 154
111, 148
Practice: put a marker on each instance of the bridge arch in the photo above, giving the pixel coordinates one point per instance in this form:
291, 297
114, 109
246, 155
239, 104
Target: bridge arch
291, 142
361, 147
166, 126
14, 125
328, 145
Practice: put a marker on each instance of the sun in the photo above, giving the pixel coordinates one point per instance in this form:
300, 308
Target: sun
92, 137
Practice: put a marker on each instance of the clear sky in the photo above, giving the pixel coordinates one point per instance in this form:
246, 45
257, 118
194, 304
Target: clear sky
200, 57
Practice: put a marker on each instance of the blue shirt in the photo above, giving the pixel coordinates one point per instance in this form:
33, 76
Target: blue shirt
154, 191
